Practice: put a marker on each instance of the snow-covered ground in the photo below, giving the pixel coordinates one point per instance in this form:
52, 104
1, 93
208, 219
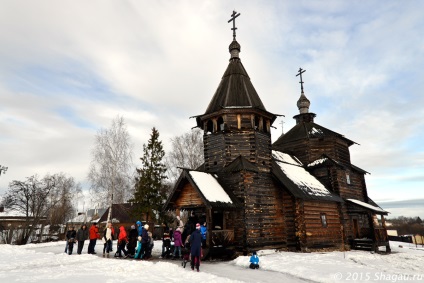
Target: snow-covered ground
48, 263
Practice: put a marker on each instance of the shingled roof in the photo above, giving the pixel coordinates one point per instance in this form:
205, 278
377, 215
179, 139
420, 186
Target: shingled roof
235, 90
325, 160
306, 130
240, 164
299, 182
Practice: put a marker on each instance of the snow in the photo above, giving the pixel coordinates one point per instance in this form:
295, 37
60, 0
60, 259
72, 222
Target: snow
11, 213
314, 131
318, 161
47, 263
367, 205
210, 187
298, 175
80, 219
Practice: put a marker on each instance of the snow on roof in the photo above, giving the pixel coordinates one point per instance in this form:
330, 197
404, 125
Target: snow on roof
367, 205
210, 187
11, 213
314, 131
80, 219
317, 162
279, 156
298, 175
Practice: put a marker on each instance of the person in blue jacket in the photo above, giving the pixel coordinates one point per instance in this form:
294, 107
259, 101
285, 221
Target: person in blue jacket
254, 261
203, 231
139, 227
196, 247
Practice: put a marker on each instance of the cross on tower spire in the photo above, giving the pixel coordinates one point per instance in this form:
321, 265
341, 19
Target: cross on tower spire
300, 74
234, 15
282, 126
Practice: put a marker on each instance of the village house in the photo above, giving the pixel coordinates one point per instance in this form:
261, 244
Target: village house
301, 193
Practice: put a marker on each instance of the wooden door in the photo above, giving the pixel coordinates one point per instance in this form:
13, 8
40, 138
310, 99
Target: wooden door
355, 228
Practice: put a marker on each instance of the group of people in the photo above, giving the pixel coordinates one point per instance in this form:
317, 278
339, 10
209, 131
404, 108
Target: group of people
138, 243
73, 237
188, 242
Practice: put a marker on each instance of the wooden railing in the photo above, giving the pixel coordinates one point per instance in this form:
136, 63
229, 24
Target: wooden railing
222, 237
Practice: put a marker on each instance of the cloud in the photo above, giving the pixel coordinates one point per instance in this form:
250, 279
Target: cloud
68, 68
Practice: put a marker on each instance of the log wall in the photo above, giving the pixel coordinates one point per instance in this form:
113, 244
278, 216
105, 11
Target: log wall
318, 236
188, 197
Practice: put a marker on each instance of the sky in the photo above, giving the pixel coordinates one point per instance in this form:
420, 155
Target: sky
69, 67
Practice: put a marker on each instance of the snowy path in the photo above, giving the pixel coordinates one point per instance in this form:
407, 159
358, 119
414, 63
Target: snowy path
47, 263
219, 269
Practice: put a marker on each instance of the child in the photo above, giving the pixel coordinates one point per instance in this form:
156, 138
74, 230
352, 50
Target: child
138, 251
177, 243
70, 238
149, 248
254, 261
186, 252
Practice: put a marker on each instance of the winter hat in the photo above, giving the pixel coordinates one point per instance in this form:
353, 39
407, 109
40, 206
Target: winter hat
254, 253
197, 226
146, 226
138, 222
132, 226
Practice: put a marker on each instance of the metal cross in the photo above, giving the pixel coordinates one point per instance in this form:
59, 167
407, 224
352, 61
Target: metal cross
282, 125
300, 74
234, 15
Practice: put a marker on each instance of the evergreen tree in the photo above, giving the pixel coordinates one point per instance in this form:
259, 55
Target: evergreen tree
150, 190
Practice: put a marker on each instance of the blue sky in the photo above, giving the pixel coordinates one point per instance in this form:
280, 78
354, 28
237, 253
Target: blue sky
69, 67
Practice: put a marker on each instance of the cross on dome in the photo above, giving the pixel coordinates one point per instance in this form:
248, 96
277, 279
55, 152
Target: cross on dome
234, 15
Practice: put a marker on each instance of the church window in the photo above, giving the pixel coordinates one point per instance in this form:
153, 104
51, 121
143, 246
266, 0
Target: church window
324, 220
264, 127
220, 124
209, 127
239, 121
256, 126
348, 178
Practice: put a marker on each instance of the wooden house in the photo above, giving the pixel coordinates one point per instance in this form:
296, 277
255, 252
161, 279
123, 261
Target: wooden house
300, 193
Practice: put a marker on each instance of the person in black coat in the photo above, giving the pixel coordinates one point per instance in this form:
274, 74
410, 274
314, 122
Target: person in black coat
70, 237
82, 235
132, 241
196, 247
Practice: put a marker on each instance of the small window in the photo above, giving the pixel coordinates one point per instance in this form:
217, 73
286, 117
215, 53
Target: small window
347, 178
220, 124
324, 220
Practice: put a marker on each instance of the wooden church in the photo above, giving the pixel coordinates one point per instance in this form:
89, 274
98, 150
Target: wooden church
301, 193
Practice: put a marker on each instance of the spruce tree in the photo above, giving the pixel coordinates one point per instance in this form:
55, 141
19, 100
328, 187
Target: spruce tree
150, 190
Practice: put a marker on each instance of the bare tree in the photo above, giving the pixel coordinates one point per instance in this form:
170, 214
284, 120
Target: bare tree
62, 199
109, 175
186, 152
32, 198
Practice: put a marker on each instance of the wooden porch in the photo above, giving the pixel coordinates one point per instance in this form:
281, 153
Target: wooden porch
376, 237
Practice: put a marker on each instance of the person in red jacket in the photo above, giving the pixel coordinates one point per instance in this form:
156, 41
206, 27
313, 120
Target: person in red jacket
122, 241
94, 234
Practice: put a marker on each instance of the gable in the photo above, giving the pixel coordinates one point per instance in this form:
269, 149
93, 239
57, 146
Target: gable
188, 197
195, 188
307, 131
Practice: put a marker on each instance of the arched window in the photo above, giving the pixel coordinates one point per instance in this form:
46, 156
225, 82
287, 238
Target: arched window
256, 127
264, 126
209, 127
220, 123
